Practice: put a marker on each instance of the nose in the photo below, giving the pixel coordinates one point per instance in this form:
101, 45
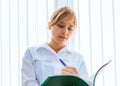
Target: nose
65, 30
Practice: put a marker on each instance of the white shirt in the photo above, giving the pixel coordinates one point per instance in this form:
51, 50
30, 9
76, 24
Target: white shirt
41, 62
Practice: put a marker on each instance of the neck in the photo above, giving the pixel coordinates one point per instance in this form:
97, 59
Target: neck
56, 46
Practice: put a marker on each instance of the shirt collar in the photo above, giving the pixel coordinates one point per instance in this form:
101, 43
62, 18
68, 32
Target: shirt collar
46, 46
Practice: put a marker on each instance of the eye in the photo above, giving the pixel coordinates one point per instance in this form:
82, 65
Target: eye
70, 28
61, 26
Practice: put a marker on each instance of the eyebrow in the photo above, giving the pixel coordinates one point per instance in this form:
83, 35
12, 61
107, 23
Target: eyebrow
65, 24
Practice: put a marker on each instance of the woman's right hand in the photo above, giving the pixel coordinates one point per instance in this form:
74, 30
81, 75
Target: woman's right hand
69, 70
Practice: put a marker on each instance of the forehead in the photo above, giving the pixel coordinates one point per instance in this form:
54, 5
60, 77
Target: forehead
68, 20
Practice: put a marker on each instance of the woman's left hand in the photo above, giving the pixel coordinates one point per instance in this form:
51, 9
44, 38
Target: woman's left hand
69, 70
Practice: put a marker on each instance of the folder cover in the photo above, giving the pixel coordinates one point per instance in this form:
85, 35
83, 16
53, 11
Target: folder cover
70, 80
64, 80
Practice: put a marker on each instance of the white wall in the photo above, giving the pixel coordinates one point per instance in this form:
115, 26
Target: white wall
23, 23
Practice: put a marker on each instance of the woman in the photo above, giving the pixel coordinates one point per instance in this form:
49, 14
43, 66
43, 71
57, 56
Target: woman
54, 57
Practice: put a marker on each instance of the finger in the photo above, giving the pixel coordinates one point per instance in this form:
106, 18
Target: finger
69, 70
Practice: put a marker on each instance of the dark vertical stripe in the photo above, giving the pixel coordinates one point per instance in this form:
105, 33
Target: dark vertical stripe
27, 28
56, 4
47, 19
101, 19
9, 43
90, 39
37, 19
1, 42
114, 41
78, 23
18, 43
67, 3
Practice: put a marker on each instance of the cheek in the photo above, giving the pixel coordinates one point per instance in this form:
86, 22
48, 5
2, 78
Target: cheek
70, 34
54, 33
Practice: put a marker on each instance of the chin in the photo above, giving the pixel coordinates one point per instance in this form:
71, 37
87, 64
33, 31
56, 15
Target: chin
62, 42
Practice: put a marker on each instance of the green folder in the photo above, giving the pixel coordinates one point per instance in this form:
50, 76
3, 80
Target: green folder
64, 80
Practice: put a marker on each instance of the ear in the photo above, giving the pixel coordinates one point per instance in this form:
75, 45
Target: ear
49, 27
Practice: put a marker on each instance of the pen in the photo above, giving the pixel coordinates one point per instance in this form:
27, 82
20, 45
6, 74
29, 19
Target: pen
62, 62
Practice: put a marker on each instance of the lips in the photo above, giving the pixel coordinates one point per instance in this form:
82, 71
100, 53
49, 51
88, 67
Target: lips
62, 37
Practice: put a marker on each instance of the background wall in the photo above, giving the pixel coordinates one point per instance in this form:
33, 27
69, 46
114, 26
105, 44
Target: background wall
23, 23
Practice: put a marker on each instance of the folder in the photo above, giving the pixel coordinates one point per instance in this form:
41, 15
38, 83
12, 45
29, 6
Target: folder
64, 80
71, 80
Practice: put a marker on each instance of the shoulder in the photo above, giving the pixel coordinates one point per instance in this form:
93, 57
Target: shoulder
33, 51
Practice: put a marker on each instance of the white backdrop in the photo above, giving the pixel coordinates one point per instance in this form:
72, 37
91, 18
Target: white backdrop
23, 23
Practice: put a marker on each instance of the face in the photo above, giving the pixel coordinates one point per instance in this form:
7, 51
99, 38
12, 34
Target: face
62, 31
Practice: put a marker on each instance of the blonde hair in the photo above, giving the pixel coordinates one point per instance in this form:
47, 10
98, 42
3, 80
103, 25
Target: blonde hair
60, 14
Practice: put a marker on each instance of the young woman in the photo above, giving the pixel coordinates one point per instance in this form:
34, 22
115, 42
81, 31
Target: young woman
54, 57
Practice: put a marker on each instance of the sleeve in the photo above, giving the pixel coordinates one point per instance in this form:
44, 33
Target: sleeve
84, 74
28, 73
